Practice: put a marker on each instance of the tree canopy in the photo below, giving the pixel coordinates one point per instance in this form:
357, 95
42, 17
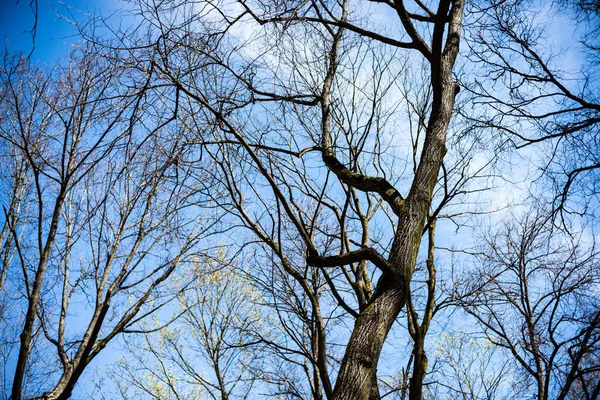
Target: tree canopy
305, 200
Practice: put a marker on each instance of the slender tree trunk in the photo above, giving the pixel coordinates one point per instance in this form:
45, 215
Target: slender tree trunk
34, 297
419, 370
74, 370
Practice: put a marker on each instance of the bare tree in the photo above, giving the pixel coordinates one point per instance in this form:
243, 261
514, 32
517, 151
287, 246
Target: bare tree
265, 136
208, 350
293, 121
469, 368
542, 92
535, 296
103, 224
13, 176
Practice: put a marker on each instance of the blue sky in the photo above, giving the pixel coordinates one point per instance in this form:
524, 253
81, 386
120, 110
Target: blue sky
54, 34
54, 37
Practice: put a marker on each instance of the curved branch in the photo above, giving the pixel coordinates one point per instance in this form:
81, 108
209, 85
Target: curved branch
363, 183
340, 24
366, 253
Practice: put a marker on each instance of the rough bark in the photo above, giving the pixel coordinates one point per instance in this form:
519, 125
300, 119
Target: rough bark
359, 365
419, 371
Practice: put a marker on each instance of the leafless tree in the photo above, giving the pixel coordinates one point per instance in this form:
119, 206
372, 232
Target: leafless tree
328, 168
208, 351
469, 368
14, 186
103, 223
277, 111
542, 91
535, 296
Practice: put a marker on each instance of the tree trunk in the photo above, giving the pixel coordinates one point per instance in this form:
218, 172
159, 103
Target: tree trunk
359, 366
26, 335
419, 371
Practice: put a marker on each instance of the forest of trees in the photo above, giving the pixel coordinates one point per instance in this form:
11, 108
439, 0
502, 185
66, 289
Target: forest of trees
305, 199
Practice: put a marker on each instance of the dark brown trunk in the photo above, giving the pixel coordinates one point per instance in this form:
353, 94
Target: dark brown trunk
359, 366
419, 370
358, 370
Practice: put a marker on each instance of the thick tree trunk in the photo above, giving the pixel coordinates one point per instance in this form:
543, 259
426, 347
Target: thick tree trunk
359, 367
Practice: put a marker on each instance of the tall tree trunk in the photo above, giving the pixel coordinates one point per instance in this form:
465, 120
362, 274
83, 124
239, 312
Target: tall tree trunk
26, 335
373, 324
